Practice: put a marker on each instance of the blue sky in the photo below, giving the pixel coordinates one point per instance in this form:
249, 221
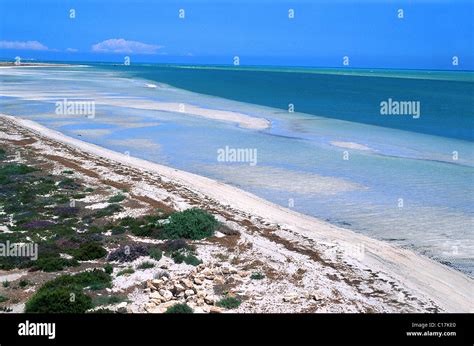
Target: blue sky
259, 32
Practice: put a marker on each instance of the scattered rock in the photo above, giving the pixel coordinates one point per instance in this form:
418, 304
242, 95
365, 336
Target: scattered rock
290, 297
167, 295
188, 293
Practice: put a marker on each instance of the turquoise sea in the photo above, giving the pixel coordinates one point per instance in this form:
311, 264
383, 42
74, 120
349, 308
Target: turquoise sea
397, 178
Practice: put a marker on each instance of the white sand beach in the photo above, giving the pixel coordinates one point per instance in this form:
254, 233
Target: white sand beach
427, 280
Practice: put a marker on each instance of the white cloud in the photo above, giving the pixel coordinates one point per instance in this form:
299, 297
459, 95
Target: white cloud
120, 45
71, 50
22, 45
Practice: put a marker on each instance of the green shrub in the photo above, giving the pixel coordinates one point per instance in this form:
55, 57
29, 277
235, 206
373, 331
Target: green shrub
15, 169
53, 263
184, 255
23, 283
155, 253
79, 196
3, 299
59, 300
117, 198
179, 309
126, 271
142, 231
192, 223
108, 268
229, 303
68, 171
146, 265
96, 278
69, 184
6, 283
109, 210
257, 276
106, 300
118, 230
89, 251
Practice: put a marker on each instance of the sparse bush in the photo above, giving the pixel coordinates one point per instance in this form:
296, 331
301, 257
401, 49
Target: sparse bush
109, 210
126, 271
66, 211
67, 299
23, 283
257, 276
64, 294
229, 303
96, 278
185, 256
179, 309
146, 265
108, 268
116, 230
37, 224
69, 184
52, 263
105, 300
155, 253
15, 169
6, 283
117, 198
128, 253
89, 251
3, 299
175, 244
192, 223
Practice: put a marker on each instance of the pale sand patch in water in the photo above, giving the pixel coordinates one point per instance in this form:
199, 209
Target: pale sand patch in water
93, 132
243, 120
281, 179
350, 145
136, 143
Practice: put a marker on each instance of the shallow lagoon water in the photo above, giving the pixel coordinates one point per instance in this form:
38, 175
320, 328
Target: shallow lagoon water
406, 188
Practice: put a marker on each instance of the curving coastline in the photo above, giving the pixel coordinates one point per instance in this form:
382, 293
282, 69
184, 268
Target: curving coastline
451, 290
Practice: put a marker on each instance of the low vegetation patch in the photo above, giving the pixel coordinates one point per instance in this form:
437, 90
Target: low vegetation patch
146, 265
192, 223
65, 294
155, 253
89, 251
229, 303
179, 309
117, 198
126, 271
257, 276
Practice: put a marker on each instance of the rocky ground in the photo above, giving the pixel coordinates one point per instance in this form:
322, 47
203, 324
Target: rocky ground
248, 265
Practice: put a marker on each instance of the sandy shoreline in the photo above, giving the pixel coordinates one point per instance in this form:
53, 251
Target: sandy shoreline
451, 290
